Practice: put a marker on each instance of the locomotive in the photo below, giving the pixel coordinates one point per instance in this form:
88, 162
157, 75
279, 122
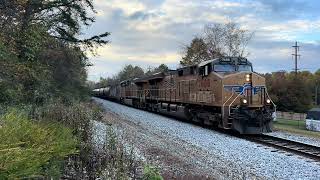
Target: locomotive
223, 92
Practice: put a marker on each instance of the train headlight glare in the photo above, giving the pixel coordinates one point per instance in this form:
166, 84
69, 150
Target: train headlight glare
244, 101
268, 101
248, 77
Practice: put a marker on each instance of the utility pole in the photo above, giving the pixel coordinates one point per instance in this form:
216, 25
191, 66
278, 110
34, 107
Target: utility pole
296, 55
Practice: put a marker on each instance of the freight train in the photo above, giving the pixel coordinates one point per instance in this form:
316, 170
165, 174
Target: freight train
223, 92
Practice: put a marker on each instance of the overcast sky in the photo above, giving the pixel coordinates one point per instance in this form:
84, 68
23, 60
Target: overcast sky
151, 32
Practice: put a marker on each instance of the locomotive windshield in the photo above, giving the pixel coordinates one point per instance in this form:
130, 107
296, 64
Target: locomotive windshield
232, 64
232, 68
224, 68
226, 64
244, 68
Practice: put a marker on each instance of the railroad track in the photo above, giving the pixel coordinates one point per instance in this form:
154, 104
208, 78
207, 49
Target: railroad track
302, 149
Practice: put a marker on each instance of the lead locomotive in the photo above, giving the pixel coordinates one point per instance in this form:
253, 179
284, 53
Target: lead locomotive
223, 92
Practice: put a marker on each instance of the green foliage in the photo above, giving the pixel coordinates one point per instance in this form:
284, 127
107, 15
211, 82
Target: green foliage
62, 19
75, 115
27, 147
160, 68
33, 38
129, 72
292, 92
151, 173
196, 52
41, 56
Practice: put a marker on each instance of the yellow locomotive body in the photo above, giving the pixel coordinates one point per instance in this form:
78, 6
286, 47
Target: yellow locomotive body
223, 92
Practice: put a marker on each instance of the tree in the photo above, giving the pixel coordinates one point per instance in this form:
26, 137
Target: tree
41, 54
227, 39
67, 67
218, 40
129, 72
28, 22
160, 68
196, 52
289, 91
104, 82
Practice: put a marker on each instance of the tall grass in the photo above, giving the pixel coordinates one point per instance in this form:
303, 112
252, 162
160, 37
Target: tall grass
56, 141
28, 148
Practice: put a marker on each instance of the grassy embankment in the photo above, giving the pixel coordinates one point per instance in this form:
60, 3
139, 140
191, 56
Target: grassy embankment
39, 143
30, 149
297, 127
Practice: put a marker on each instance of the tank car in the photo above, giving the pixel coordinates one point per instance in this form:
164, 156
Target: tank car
223, 92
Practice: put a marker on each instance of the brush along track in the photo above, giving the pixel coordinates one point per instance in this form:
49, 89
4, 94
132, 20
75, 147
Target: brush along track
302, 149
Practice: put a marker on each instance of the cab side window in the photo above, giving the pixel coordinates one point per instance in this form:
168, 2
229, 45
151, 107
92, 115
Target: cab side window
205, 70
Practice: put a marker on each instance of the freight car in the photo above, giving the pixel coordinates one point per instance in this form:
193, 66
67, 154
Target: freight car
223, 92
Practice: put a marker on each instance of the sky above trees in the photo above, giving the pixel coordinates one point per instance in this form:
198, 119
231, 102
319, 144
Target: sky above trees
151, 32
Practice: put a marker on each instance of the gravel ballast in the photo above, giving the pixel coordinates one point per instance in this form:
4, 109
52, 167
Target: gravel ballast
206, 151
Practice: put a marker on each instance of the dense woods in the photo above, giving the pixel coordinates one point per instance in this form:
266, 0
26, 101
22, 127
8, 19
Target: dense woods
294, 92
44, 110
41, 55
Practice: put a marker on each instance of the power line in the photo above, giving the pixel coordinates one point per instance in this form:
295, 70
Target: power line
296, 55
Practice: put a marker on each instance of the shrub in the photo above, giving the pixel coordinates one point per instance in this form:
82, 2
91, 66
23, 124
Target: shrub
29, 148
151, 173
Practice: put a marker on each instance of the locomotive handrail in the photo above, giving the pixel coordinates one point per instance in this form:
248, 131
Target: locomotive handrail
275, 106
244, 88
227, 101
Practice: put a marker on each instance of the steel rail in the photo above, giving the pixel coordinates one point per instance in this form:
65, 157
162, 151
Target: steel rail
306, 150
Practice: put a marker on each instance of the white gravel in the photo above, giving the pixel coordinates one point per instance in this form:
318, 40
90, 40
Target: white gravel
99, 133
245, 155
295, 137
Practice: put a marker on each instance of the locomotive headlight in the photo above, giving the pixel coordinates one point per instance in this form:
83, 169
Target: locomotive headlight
244, 101
248, 77
268, 101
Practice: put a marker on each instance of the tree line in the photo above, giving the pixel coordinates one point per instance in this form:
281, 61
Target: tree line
294, 92
126, 73
41, 54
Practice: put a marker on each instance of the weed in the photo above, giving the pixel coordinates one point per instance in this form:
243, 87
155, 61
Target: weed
151, 173
28, 147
